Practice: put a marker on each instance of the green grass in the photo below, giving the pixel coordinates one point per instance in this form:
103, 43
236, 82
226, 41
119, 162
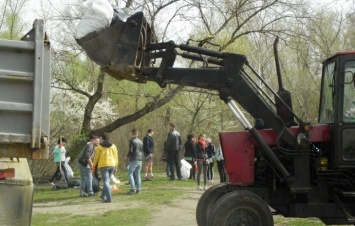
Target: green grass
282, 221
127, 210
126, 217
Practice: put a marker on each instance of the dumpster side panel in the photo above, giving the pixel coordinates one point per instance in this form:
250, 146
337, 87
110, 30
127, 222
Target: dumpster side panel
25, 95
16, 193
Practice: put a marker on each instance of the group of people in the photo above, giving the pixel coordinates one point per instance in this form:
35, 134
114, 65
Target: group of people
103, 156
202, 154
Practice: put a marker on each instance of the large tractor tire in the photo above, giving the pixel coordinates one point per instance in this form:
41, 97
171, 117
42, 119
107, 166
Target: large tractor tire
240, 208
206, 201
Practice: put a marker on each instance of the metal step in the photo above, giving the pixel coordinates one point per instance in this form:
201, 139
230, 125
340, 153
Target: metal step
350, 217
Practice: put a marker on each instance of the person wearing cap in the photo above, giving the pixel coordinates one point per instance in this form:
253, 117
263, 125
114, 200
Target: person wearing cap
190, 149
85, 166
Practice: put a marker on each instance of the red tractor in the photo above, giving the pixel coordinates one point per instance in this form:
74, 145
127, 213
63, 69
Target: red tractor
279, 165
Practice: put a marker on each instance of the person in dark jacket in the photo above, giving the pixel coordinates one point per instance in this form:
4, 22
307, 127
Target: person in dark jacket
135, 156
189, 154
210, 153
201, 161
173, 143
148, 148
86, 166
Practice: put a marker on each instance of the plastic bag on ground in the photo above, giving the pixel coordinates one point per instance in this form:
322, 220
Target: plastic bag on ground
115, 180
98, 15
116, 186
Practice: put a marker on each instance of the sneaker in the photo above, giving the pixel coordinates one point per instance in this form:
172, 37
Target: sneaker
138, 192
51, 183
205, 188
93, 194
151, 176
199, 188
131, 192
106, 201
83, 195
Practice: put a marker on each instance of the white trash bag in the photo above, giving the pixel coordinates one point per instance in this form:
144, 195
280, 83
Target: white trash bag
98, 15
115, 180
185, 169
69, 170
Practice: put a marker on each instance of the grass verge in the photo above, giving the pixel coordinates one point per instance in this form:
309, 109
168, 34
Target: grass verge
65, 207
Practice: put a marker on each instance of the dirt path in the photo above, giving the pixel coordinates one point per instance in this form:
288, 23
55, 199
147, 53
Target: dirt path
181, 213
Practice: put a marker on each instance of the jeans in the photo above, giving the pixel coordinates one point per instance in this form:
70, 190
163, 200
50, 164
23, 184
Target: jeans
222, 173
202, 167
106, 173
85, 179
210, 172
134, 175
58, 171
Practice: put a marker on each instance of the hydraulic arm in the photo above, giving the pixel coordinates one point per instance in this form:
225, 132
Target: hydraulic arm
227, 73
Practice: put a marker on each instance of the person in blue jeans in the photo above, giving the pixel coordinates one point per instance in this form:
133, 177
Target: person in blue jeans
85, 166
135, 156
106, 159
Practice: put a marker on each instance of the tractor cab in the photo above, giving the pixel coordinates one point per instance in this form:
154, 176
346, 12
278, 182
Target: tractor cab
337, 107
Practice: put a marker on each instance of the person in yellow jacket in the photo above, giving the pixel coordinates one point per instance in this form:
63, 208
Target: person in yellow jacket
106, 160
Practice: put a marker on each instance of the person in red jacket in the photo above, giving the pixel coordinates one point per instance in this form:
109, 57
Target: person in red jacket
201, 161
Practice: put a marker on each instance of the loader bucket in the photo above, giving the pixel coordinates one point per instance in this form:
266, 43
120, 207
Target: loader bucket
118, 49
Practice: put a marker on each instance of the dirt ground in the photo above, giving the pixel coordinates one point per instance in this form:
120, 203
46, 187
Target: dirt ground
181, 213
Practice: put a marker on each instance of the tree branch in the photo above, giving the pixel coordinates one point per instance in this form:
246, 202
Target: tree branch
91, 103
149, 107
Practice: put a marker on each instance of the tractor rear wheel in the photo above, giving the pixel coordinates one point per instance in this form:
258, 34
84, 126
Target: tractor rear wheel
240, 208
206, 201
